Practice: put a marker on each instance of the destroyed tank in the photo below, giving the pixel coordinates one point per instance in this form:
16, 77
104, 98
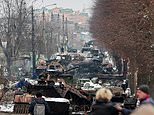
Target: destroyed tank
54, 83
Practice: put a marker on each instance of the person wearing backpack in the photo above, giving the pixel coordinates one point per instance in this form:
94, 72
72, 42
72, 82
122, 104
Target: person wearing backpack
39, 106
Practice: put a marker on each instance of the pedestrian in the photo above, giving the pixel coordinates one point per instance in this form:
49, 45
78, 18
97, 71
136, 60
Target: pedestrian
143, 96
39, 106
103, 106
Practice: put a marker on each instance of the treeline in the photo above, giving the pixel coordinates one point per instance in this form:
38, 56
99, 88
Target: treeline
126, 28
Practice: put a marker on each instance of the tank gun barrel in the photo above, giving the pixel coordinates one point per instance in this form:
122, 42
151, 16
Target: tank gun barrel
71, 69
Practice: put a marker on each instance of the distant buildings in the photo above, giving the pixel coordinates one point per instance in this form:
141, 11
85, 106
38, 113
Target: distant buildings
72, 29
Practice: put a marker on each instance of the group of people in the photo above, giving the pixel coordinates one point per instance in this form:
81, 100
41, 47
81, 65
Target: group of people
104, 106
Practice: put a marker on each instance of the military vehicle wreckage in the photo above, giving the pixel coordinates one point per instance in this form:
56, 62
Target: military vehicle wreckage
53, 83
65, 97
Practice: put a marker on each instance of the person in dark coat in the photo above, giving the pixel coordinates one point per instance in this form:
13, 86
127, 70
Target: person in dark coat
103, 106
143, 96
39, 100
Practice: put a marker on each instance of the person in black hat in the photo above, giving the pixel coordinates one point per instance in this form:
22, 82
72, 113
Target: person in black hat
143, 96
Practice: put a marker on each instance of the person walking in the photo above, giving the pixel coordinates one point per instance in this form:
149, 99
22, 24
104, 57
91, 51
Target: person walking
103, 106
39, 106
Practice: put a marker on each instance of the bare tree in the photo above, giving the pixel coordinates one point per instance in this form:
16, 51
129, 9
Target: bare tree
12, 29
125, 27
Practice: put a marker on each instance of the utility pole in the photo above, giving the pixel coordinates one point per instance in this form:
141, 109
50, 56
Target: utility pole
66, 34
63, 42
58, 39
45, 38
33, 44
43, 34
50, 41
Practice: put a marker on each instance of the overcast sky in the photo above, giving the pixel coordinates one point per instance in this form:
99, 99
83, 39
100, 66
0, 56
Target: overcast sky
74, 4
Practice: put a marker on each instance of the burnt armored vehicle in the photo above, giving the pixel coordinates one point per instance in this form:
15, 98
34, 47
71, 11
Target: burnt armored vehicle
55, 85
105, 76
